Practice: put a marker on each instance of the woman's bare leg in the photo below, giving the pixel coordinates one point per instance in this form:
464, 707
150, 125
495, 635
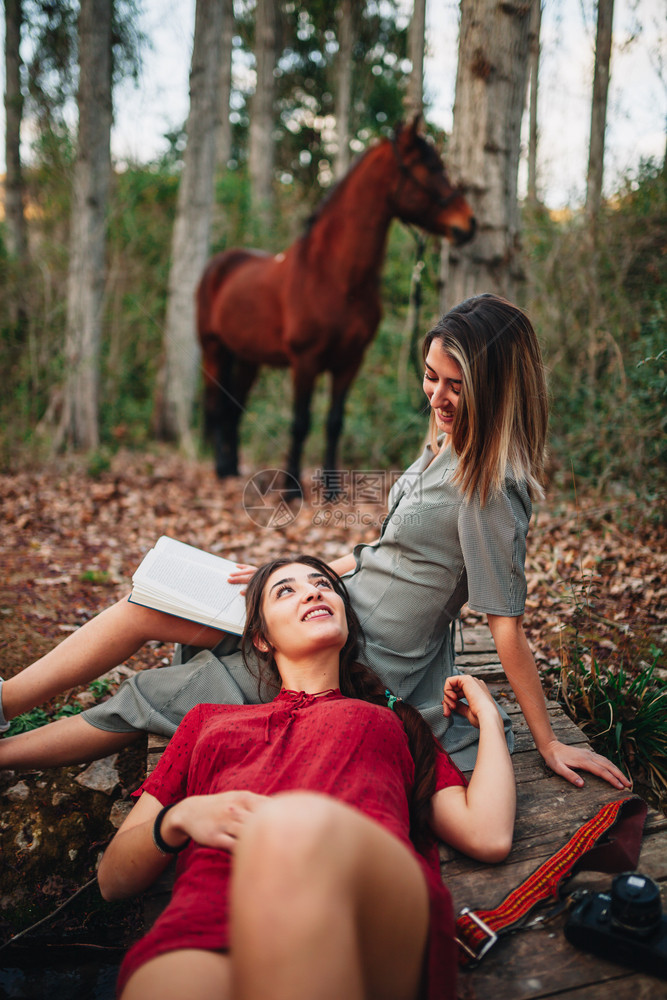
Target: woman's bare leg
103, 642
67, 741
325, 904
189, 972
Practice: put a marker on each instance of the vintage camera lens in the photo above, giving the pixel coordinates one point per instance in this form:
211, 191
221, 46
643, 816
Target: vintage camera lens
635, 903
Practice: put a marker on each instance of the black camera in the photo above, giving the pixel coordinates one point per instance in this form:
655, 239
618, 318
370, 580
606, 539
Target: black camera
625, 925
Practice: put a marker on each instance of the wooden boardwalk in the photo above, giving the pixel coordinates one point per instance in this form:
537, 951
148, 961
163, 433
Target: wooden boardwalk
539, 962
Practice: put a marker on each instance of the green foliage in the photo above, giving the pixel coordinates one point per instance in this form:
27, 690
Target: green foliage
620, 703
600, 304
100, 687
52, 69
306, 83
140, 226
38, 717
27, 721
97, 576
98, 463
66, 710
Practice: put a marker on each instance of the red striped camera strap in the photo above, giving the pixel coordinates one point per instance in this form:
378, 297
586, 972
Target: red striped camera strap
609, 842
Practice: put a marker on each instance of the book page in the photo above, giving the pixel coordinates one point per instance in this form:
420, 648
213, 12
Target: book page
197, 584
189, 580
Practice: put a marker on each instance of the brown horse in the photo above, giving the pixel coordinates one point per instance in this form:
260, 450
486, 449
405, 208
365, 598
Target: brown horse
316, 307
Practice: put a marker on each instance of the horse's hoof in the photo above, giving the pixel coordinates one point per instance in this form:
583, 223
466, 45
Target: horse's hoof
292, 491
223, 470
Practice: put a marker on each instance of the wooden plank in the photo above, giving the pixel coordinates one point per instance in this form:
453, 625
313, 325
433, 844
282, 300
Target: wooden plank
489, 672
476, 638
476, 659
156, 745
540, 963
625, 987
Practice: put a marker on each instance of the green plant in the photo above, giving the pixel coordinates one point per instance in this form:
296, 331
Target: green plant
38, 717
27, 721
66, 710
98, 462
621, 703
95, 576
100, 687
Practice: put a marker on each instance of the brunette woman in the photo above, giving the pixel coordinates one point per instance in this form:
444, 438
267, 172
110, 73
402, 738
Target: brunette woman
308, 864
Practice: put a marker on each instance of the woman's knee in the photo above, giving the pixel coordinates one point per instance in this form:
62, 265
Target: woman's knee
300, 821
296, 834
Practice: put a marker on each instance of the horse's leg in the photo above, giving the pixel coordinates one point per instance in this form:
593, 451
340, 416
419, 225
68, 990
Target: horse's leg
226, 392
303, 382
242, 374
340, 385
217, 361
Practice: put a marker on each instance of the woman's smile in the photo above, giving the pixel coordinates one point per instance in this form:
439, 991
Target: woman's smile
442, 385
321, 611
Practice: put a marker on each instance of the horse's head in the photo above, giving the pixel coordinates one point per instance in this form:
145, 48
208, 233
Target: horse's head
422, 193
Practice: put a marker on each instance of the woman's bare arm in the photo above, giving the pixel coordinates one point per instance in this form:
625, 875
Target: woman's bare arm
479, 819
344, 564
132, 862
521, 671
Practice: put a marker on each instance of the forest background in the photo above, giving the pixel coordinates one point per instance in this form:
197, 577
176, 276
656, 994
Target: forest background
80, 510
591, 276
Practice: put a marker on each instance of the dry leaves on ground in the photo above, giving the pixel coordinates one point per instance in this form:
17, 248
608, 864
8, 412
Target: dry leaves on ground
71, 543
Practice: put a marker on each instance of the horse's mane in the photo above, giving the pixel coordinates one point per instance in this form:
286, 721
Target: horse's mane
334, 193
429, 157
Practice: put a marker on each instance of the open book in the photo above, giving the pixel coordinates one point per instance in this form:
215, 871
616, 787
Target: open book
185, 581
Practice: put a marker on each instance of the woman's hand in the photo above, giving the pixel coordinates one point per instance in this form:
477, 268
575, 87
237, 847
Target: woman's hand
476, 693
243, 574
561, 759
211, 820
479, 819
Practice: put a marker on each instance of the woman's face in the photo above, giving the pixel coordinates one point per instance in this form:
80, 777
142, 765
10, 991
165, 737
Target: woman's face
303, 613
442, 385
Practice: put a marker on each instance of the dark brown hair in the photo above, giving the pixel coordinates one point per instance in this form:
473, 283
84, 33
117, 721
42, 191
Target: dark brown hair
356, 681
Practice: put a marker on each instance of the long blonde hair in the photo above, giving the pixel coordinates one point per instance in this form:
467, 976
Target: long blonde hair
500, 422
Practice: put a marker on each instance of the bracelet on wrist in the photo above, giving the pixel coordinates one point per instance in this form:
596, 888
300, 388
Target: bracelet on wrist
159, 841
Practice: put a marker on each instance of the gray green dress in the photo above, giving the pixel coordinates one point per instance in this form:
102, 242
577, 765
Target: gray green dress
435, 552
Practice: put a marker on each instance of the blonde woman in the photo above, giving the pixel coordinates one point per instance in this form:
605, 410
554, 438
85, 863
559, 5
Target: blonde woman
455, 533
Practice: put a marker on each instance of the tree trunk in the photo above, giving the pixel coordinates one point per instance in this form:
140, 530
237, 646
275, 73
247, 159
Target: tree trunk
224, 138
261, 153
534, 73
92, 174
599, 107
414, 101
483, 152
343, 88
192, 227
17, 244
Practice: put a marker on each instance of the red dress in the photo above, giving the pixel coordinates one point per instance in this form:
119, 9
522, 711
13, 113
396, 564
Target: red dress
349, 749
